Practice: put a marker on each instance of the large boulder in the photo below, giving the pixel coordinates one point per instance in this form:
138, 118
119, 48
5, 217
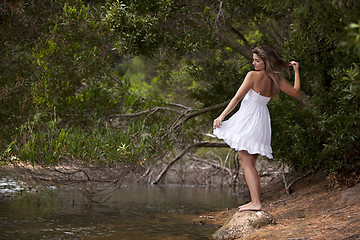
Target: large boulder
351, 195
242, 223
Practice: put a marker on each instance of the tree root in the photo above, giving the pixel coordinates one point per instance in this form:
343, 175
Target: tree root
287, 185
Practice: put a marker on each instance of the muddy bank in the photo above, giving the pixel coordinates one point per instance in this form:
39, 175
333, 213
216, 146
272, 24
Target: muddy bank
313, 211
184, 172
195, 173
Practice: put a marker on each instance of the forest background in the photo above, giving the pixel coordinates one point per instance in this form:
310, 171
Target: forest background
135, 83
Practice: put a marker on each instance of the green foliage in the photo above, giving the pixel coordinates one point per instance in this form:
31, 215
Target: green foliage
39, 142
352, 40
138, 32
85, 61
341, 122
218, 78
22, 29
79, 59
296, 136
52, 142
145, 27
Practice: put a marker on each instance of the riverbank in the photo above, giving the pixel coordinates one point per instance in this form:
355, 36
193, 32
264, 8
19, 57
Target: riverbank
314, 210
317, 208
182, 172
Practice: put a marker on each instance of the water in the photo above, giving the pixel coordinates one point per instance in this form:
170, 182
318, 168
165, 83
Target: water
134, 211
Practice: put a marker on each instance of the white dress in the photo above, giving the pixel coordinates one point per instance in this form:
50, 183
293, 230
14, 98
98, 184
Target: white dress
249, 128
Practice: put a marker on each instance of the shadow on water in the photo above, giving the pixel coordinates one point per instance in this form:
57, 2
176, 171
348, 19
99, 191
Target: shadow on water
135, 211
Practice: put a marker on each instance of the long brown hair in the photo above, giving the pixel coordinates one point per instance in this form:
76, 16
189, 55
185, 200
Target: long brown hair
274, 65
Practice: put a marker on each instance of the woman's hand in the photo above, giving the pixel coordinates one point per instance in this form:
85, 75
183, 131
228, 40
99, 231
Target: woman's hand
218, 122
295, 65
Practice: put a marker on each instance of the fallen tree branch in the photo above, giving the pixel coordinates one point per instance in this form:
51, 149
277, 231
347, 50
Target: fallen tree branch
182, 153
146, 173
300, 178
215, 165
169, 164
66, 172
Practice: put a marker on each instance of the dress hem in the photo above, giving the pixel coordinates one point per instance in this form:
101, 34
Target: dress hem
249, 128
251, 150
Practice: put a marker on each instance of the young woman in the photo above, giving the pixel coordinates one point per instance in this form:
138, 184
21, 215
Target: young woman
248, 131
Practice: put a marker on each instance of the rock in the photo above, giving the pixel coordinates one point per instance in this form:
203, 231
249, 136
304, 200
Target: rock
351, 195
241, 223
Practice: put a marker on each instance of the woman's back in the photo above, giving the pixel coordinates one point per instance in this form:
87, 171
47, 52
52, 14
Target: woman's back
262, 83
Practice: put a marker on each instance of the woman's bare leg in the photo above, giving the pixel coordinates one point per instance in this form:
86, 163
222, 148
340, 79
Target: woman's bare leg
252, 179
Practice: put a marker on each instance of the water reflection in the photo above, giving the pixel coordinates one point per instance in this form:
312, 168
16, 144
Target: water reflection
134, 212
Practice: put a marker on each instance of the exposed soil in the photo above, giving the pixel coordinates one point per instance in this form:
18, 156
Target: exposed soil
314, 210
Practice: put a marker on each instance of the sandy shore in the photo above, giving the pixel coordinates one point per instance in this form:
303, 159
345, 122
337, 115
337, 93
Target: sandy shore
314, 210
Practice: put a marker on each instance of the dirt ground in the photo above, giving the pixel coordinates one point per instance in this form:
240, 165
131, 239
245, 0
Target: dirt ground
313, 210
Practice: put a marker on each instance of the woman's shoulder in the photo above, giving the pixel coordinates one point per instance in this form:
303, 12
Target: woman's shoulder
256, 74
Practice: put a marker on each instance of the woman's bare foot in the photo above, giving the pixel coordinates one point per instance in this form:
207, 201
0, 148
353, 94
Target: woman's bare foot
250, 207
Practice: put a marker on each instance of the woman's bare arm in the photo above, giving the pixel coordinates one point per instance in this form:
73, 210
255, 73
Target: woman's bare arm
286, 87
244, 88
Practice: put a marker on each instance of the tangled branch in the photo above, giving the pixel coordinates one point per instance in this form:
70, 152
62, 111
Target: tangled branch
182, 153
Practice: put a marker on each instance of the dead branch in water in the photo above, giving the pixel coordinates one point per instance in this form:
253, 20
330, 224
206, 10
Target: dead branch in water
97, 184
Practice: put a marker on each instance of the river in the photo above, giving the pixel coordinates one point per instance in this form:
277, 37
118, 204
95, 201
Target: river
134, 211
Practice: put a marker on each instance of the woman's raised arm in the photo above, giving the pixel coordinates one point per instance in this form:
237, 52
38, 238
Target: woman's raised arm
286, 87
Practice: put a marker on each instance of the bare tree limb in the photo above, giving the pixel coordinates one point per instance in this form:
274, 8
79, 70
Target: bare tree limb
210, 144
288, 186
213, 164
146, 173
151, 111
170, 163
238, 33
182, 153
187, 116
223, 35
232, 43
179, 105
220, 12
